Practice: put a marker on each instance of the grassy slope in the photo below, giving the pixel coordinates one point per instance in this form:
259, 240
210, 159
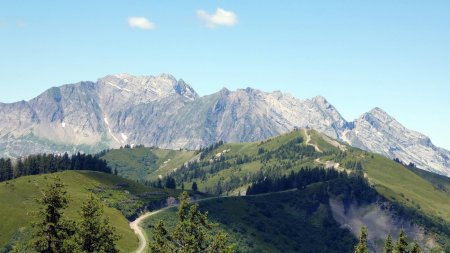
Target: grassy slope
391, 179
438, 180
278, 222
146, 163
396, 182
21, 194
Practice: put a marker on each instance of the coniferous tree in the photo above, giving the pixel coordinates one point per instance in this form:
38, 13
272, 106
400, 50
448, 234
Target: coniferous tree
9, 173
361, 247
388, 244
52, 233
170, 183
159, 183
193, 233
416, 248
402, 244
194, 186
20, 169
94, 233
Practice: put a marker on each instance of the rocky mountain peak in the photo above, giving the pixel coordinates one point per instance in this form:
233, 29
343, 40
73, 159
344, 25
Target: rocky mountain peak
185, 90
147, 88
320, 100
165, 112
379, 114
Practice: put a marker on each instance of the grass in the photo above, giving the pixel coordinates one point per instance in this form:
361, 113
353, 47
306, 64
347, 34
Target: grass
441, 182
19, 202
146, 163
400, 184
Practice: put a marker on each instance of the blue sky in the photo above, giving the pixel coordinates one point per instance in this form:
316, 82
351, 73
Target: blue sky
358, 54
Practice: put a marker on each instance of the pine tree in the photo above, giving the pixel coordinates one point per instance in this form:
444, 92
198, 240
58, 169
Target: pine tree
170, 183
388, 245
402, 243
94, 233
194, 186
416, 248
361, 247
193, 233
52, 233
9, 173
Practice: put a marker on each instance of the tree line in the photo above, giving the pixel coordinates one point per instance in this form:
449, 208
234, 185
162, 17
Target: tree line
350, 187
50, 163
298, 180
401, 246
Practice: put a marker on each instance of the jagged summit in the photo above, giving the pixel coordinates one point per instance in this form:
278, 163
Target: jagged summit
379, 114
165, 112
148, 88
320, 100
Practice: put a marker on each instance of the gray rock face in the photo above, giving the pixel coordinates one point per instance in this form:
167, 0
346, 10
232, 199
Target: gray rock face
377, 131
164, 112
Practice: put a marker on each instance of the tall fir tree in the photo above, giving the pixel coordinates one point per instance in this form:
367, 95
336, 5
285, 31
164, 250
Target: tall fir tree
94, 233
361, 247
402, 243
194, 186
388, 244
9, 173
193, 233
52, 233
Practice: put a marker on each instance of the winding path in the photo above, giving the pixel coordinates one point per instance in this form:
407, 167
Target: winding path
135, 226
308, 140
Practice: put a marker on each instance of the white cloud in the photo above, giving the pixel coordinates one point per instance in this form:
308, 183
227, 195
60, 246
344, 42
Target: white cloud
220, 17
141, 22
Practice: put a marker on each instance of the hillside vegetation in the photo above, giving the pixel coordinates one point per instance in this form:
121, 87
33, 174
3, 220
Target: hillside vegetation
145, 163
121, 198
290, 221
230, 168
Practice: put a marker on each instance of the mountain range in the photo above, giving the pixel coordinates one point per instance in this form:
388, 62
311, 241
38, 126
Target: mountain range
165, 112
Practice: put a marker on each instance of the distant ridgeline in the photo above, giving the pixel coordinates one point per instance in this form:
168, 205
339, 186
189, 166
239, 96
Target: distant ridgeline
49, 163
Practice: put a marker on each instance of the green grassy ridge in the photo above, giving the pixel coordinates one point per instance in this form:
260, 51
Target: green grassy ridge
397, 183
291, 221
146, 163
19, 202
392, 180
232, 150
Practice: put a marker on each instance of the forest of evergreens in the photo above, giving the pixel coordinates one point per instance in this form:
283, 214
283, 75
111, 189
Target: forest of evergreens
50, 163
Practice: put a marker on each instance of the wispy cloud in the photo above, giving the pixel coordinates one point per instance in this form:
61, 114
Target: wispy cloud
141, 22
220, 17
